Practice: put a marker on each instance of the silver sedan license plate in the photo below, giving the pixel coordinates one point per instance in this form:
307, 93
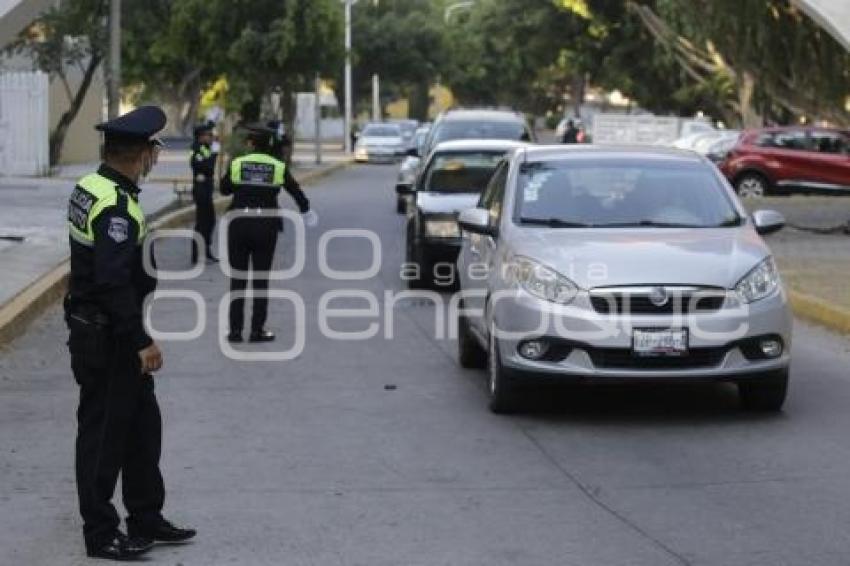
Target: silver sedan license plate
657, 342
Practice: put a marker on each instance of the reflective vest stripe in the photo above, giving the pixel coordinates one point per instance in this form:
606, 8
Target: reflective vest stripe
257, 169
94, 194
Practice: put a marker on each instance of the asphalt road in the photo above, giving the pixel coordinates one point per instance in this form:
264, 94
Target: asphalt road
382, 452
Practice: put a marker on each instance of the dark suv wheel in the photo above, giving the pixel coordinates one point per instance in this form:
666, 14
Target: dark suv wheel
415, 255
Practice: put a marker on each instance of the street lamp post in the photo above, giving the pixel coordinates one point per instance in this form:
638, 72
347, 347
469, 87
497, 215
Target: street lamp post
347, 132
114, 69
376, 92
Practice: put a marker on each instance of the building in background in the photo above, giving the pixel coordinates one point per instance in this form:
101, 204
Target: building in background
82, 143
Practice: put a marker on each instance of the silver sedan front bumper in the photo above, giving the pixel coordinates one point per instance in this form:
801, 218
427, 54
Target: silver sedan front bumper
596, 346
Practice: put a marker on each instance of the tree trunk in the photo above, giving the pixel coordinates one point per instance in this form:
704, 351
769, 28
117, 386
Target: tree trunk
577, 93
420, 100
57, 136
750, 117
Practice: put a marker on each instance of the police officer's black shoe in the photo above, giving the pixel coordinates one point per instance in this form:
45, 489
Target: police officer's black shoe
121, 548
163, 531
210, 257
261, 336
234, 337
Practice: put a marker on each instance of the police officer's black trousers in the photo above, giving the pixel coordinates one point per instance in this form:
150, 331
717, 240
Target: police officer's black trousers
202, 194
250, 244
119, 430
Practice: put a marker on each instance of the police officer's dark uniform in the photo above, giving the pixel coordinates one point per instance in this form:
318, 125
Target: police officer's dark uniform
255, 181
203, 161
119, 423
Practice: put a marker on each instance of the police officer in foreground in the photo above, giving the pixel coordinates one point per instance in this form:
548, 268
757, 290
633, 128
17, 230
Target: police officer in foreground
255, 180
203, 184
112, 357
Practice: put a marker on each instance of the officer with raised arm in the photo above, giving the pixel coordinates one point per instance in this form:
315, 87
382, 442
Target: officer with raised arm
255, 180
119, 427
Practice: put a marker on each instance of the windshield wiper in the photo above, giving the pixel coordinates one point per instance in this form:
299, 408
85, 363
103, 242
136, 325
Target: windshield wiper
649, 224
730, 222
554, 222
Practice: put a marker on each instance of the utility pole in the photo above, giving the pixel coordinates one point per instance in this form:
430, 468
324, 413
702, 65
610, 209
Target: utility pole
114, 73
376, 90
347, 132
317, 111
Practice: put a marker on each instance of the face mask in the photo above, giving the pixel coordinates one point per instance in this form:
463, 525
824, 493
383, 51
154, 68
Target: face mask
147, 165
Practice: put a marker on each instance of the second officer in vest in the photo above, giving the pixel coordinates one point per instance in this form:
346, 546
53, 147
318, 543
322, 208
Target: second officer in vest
255, 180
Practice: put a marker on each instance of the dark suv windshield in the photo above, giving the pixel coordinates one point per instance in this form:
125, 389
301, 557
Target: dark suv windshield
379, 131
470, 129
622, 193
461, 172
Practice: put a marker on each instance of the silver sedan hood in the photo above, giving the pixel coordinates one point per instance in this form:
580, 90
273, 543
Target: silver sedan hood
591, 258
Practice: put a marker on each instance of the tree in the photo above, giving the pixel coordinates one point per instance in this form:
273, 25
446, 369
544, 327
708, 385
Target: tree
72, 35
280, 47
773, 56
403, 42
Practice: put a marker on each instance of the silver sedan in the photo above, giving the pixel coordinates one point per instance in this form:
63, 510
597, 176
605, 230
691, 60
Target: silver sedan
620, 264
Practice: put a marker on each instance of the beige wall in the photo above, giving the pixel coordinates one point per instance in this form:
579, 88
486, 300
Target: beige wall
82, 144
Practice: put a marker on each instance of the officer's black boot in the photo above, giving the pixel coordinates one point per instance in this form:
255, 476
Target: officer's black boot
261, 335
120, 547
210, 257
162, 531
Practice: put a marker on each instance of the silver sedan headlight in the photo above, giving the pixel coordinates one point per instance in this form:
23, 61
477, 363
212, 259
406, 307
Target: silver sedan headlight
541, 281
442, 229
759, 283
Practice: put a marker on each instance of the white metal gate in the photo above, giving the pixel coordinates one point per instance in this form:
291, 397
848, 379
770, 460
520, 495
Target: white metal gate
24, 127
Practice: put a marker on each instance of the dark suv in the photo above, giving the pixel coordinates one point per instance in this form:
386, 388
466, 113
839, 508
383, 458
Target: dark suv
478, 124
793, 159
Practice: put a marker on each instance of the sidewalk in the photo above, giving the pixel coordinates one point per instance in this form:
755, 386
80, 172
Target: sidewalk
33, 229
173, 164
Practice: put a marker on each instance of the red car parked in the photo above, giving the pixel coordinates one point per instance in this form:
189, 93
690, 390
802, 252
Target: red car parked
791, 159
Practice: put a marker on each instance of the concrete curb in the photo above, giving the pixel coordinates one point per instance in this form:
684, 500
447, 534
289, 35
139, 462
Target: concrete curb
819, 311
21, 310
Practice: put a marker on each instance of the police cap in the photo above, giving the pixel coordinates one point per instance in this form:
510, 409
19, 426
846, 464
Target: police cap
140, 124
261, 134
204, 128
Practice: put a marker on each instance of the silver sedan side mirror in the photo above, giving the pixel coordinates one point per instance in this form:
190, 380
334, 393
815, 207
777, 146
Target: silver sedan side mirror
768, 221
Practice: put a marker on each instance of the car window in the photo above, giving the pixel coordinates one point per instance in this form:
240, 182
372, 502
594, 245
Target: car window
622, 193
494, 194
378, 131
470, 129
461, 172
790, 139
830, 142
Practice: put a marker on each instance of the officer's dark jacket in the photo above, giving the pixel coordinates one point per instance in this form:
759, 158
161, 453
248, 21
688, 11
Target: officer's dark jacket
107, 231
203, 163
255, 181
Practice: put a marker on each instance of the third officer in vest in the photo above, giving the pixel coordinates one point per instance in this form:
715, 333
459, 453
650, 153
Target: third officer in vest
112, 357
203, 184
255, 180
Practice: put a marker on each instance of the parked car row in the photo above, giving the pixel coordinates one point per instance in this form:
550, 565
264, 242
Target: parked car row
595, 264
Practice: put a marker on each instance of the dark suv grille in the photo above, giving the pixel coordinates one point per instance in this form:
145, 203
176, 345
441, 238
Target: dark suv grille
640, 304
623, 358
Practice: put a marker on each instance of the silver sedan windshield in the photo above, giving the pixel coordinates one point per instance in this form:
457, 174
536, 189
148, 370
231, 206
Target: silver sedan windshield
596, 193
